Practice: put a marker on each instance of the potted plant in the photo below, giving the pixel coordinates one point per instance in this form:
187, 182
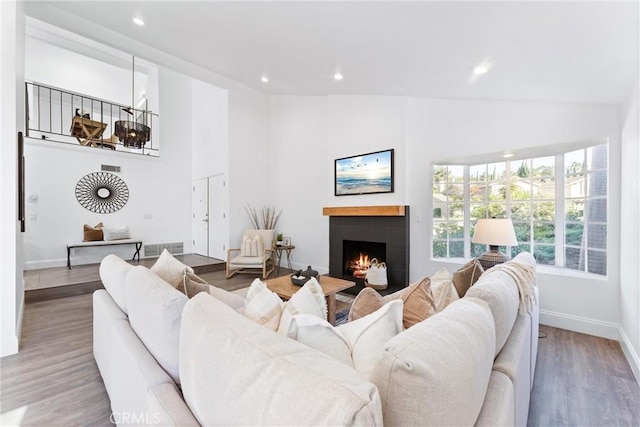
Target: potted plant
279, 239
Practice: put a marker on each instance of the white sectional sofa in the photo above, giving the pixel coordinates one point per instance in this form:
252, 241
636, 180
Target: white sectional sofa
471, 364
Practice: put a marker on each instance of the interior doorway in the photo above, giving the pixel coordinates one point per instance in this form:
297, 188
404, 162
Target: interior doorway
200, 217
210, 222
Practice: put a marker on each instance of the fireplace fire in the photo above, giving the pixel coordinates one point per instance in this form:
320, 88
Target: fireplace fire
358, 256
360, 266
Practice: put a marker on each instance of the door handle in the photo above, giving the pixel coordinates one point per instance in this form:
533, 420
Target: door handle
205, 220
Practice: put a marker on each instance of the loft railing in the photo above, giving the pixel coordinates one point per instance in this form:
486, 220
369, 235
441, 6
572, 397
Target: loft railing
62, 116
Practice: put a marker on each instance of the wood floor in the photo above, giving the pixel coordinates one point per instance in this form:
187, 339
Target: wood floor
580, 380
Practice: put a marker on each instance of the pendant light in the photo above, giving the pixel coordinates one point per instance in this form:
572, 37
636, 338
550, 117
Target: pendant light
132, 133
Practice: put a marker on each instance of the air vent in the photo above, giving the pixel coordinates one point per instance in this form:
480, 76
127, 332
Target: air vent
156, 249
110, 168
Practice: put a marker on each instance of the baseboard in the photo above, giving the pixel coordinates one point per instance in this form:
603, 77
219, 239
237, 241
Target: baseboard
583, 325
46, 263
9, 346
20, 316
630, 353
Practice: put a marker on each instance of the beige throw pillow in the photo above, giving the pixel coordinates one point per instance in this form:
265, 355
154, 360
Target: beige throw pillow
92, 234
358, 344
170, 269
418, 302
444, 293
192, 285
466, 276
263, 306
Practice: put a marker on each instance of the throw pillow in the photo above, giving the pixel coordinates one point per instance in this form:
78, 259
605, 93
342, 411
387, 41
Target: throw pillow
263, 306
309, 299
444, 293
116, 233
358, 344
92, 234
170, 269
466, 276
192, 284
252, 246
417, 298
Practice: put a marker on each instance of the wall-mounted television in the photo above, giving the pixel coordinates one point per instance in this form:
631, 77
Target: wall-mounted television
364, 174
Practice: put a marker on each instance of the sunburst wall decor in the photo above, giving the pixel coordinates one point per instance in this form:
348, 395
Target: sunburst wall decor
102, 192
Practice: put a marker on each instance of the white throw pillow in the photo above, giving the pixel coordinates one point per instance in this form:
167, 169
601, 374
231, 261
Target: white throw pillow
170, 269
444, 292
357, 344
116, 233
252, 246
265, 307
309, 299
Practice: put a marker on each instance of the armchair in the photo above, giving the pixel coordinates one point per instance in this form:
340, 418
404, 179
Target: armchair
255, 254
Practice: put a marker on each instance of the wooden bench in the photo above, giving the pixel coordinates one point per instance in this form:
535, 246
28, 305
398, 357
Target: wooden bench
138, 244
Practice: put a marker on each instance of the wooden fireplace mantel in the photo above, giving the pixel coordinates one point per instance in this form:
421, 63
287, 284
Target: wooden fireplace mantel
390, 210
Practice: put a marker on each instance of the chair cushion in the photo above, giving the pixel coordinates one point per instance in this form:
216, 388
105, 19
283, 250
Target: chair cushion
437, 372
155, 311
247, 261
357, 344
235, 372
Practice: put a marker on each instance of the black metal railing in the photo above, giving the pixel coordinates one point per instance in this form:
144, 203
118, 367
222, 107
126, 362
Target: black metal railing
63, 116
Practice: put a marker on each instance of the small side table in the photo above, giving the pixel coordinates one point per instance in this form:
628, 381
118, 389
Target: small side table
287, 250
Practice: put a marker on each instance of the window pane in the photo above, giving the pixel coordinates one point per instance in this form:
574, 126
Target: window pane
597, 184
478, 211
440, 174
496, 171
456, 174
523, 231
574, 186
597, 157
457, 211
456, 249
515, 250
574, 210
597, 236
544, 233
572, 258
573, 234
522, 168
545, 254
478, 192
455, 192
544, 189
497, 191
477, 173
439, 249
520, 190
597, 262
439, 230
574, 163
544, 168
477, 249
597, 210
520, 211
497, 210
544, 210
456, 230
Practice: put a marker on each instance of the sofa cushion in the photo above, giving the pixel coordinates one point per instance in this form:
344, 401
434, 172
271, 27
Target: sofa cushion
498, 409
263, 306
466, 276
235, 372
417, 298
309, 300
170, 269
437, 372
165, 407
232, 299
357, 344
155, 310
499, 290
113, 271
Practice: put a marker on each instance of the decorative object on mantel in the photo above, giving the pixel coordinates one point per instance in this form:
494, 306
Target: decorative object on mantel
266, 219
102, 192
494, 232
364, 174
133, 133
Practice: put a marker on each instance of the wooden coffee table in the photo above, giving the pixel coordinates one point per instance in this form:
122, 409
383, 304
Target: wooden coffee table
330, 286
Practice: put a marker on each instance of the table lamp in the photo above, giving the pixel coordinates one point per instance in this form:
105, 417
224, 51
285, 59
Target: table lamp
494, 232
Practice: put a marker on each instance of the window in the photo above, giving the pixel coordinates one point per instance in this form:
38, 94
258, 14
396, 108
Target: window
558, 205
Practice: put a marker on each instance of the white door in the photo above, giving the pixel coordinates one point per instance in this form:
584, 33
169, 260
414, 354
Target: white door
200, 216
219, 224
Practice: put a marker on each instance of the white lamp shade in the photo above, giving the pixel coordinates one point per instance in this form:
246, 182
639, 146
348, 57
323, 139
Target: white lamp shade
495, 231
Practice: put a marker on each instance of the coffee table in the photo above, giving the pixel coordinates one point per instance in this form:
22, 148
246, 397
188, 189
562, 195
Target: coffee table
330, 286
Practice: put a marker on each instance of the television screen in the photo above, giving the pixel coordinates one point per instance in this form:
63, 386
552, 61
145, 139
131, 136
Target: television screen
364, 174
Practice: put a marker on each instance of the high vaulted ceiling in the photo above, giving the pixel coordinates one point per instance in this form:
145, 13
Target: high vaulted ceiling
538, 51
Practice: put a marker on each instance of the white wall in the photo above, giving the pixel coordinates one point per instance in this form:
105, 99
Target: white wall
11, 122
157, 186
630, 236
249, 165
424, 132
445, 129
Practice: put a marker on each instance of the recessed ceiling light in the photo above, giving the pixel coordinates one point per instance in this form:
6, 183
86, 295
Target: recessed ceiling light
507, 155
138, 21
265, 79
481, 69
338, 76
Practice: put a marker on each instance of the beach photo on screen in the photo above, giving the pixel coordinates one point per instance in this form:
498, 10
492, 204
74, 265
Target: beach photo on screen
365, 174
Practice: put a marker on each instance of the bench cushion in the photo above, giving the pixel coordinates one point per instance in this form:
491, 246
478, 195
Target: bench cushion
103, 243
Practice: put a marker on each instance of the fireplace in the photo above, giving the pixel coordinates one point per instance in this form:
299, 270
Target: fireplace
356, 238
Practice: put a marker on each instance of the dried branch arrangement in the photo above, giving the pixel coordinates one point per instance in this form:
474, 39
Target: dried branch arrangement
266, 218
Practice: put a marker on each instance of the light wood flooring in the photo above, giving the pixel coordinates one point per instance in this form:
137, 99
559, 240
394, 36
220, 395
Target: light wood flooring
580, 380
